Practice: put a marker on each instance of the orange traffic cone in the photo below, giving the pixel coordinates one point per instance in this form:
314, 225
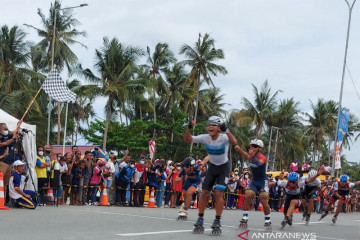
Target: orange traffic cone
50, 193
2, 195
261, 208
282, 208
196, 203
104, 198
151, 203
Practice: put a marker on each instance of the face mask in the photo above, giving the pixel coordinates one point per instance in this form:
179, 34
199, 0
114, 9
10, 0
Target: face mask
107, 157
47, 151
132, 165
246, 176
41, 153
178, 168
5, 133
236, 173
59, 158
142, 162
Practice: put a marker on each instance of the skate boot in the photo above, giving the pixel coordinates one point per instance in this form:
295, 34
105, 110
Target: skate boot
267, 226
307, 219
289, 221
323, 215
243, 224
283, 223
216, 231
334, 220
182, 215
181, 207
304, 214
198, 226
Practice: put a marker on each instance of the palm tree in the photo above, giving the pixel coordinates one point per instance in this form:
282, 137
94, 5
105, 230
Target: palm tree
115, 63
201, 58
261, 111
65, 36
321, 121
158, 61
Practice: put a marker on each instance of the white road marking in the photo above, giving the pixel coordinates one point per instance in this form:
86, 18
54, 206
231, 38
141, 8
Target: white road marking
357, 220
160, 218
153, 233
309, 222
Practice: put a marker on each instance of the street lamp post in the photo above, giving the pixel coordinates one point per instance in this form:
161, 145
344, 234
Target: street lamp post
342, 83
52, 60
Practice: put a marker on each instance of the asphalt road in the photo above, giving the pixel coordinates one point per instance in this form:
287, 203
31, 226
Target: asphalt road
93, 222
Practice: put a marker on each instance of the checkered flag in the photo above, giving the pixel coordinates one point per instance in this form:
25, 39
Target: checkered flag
55, 87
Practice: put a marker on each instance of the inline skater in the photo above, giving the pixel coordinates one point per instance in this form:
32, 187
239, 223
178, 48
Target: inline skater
307, 196
259, 183
217, 146
341, 190
292, 191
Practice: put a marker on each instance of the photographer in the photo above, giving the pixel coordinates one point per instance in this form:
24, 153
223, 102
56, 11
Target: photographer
7, 143
22, 197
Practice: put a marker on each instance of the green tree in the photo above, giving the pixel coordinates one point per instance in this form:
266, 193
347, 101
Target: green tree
201, 58
116, 64
158, 61
65, 36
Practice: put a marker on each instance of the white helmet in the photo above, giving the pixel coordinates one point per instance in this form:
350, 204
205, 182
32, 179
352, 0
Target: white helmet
214, 120
312, 173
257, 142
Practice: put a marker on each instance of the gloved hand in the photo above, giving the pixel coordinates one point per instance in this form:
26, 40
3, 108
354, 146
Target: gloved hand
223, 127
190, 124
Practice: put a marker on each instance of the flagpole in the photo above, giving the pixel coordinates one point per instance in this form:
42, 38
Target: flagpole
66, 114
342, 84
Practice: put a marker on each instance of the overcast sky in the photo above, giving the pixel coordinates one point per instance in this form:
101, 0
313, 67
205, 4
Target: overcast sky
298, 45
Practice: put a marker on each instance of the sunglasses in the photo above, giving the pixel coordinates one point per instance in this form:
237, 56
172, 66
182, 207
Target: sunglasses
213, 125
254, 146
292, 181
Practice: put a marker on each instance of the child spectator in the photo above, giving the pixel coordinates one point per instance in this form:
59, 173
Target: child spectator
176, 188
78, 174
95, 181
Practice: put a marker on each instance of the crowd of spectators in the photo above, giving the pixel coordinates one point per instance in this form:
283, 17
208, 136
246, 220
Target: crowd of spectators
79, 179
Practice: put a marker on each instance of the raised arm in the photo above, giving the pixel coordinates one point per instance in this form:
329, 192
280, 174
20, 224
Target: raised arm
243, 153
187, 136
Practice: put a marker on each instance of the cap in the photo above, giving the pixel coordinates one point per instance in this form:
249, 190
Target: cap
18, 163
157, 161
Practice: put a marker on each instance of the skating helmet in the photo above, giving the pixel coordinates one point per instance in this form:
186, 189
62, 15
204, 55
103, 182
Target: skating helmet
189, 161
312, 173
293, 177
344, 178
214, 120
257, 142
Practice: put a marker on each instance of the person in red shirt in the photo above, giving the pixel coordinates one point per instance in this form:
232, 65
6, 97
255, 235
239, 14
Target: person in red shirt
176, 187
140, 183
294, 166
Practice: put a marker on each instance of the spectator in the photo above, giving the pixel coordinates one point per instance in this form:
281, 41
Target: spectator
294, 166
7, 143
159, 194
169, 170
244, 182
47, 152
63, 178
176, 188
274, 201
123, 179
140, 183
88, 170
55, 176
22, 197
66, 177
95, 181
153, 177
305, 167
231, 190
74, 148
41, 173
109, 175
75, 184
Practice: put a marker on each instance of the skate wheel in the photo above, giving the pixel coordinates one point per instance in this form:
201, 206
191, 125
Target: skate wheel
216, 232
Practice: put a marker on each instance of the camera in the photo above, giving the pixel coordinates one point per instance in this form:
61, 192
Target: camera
101, 164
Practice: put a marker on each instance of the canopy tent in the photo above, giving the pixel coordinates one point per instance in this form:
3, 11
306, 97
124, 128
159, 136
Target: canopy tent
29, 143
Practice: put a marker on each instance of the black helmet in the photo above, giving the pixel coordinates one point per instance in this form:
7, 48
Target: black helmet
189, 161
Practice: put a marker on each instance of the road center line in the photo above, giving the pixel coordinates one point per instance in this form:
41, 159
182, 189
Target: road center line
309, 222
153, 233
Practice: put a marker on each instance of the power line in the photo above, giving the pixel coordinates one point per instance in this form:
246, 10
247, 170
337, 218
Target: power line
357, 93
